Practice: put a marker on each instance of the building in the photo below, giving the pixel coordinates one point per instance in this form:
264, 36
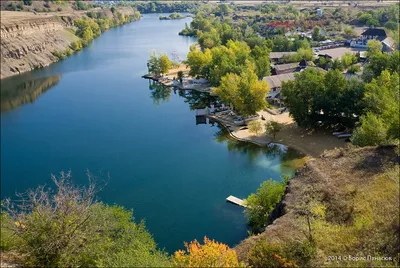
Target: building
277, 56
388, 44
284, 68
374, 33
275, 84
288, 67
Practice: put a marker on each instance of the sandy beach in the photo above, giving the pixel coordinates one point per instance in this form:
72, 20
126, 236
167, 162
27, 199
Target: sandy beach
309, 142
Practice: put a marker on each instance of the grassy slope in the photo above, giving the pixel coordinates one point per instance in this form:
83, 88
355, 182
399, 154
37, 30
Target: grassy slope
353, 197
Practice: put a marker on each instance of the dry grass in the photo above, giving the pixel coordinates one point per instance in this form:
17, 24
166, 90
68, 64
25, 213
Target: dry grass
353, 197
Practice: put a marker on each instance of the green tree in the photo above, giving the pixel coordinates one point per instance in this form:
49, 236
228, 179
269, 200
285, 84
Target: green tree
224, 9
364, 17
154, 64
272, 128
374, 47
262, 203
209, 39
261, 61
349, 31
165, 63
372, 131
255, 127
349, 59
316, 34
391, 25
337, 64
28, 2
245, 92
199, 62
372, 22
316, 98
381, 124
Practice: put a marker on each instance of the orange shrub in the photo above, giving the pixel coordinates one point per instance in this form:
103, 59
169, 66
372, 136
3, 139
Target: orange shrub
210, 254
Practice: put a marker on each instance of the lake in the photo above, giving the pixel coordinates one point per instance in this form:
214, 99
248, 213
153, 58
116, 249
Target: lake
94, 111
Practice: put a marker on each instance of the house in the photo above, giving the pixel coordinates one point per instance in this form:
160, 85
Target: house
284, 68
319, 12
289, 67
374, 33
275, 84
277, 56
388, 44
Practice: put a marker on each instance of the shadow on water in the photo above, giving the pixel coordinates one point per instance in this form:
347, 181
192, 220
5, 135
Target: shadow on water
15, 93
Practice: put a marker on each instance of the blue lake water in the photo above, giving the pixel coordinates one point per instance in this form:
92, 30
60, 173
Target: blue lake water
94, 111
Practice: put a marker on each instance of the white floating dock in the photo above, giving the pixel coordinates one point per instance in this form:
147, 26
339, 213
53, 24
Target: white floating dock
235, 200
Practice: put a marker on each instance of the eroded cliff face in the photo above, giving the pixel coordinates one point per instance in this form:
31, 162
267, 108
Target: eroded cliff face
28, 40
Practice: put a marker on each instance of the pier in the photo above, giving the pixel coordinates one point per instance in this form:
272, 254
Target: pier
236, 201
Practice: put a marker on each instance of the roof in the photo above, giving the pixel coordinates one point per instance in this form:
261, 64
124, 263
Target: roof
389, 42
375, 32
282, 67
338, 52
275, 81
278, 55
315, 68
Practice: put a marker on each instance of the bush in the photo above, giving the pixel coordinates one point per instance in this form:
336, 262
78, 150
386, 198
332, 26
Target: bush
77, 45
58, 54
211, 254
255, 127
269, 255
68, 52
354, 69
263, 202
67, 227
272, 128
288, 254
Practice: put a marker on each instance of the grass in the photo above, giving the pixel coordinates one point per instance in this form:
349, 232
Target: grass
352, 198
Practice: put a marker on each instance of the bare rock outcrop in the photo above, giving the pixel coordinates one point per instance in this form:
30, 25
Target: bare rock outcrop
28, 40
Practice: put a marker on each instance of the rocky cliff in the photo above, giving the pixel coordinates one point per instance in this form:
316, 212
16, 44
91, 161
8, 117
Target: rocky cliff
28, 40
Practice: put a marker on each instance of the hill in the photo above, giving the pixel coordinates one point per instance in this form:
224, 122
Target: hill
346, 202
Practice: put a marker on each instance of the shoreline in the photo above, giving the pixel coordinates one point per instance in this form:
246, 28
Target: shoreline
311, 143
50, 28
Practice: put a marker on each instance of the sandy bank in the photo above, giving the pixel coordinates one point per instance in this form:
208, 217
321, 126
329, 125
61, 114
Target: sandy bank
309, 142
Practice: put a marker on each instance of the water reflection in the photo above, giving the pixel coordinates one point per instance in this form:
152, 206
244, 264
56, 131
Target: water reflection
198, 100
277, 156
14, 93
159, 93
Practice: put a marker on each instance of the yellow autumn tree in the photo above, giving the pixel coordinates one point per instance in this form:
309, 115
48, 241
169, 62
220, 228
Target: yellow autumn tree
210, 254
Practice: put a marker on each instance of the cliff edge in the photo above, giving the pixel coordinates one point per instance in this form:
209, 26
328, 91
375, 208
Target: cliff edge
28, 40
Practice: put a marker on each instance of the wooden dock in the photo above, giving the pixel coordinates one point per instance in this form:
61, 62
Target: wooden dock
235, 200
